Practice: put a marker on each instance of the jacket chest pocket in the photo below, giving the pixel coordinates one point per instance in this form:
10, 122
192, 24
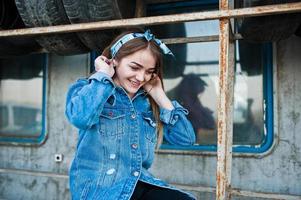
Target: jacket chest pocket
111, 122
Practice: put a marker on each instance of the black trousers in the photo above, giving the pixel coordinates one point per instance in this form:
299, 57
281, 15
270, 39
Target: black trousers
144, 191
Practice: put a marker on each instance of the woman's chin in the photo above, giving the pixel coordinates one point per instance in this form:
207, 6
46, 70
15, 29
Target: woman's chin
131, 91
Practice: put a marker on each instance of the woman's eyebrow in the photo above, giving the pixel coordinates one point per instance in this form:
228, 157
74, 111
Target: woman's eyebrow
141, 66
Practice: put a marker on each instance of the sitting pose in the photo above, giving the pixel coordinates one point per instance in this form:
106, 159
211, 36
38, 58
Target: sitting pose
122, 114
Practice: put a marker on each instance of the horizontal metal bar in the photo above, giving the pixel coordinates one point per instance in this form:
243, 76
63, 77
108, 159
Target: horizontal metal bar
180, 40
210, 38
156, 20
163, 1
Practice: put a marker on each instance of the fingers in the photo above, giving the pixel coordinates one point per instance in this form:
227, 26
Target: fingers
104, 59
154, 77
103, 64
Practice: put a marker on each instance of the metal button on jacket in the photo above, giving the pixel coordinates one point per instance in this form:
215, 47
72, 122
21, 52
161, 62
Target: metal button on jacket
134, 146
112, 156
136, 173
133, 116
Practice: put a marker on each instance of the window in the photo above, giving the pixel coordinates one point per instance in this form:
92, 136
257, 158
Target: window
192, 79
22, 99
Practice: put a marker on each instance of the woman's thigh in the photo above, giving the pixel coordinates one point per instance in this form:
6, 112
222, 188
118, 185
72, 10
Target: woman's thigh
144, 191
165, 194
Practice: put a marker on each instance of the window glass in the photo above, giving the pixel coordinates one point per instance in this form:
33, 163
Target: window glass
192, 79
21, 96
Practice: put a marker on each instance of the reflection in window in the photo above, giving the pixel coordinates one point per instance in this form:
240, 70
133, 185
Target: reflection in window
193, 81
21, 96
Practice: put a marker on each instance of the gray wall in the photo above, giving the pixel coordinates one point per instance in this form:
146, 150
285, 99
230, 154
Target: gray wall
61, 139
278, 171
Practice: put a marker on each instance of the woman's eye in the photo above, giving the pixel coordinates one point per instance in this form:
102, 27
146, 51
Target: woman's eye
149, 73
134, 68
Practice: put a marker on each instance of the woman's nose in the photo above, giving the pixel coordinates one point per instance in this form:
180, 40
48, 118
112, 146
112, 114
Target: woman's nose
140, 76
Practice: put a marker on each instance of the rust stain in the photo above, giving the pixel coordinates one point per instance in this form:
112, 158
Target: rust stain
218, 191
223, 5
220, 180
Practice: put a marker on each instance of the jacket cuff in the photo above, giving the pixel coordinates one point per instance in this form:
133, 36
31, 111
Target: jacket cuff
172, 116
102, 77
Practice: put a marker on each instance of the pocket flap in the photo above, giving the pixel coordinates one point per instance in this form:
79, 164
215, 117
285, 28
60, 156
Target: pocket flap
112, 113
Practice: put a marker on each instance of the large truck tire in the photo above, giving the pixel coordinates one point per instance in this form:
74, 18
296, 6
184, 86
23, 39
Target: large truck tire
270, 28
250, 57
18, 68
79, 11
39, 13
10, 19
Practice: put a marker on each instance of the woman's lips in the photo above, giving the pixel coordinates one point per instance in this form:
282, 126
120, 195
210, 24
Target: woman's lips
135, 84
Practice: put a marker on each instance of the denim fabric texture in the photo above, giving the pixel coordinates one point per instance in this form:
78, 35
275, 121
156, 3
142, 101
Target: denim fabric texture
117, 138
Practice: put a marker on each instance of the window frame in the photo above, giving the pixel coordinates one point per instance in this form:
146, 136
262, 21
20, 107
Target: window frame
34, 140
268, 116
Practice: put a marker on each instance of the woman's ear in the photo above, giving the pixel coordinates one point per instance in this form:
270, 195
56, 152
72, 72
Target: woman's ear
115, 62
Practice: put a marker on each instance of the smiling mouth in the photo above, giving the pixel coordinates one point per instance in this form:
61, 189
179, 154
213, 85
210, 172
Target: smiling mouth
135, 84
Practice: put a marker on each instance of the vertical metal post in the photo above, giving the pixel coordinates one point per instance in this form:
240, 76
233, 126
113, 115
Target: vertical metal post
225, 107
140, 8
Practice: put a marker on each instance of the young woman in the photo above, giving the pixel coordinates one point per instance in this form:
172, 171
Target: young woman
121, 112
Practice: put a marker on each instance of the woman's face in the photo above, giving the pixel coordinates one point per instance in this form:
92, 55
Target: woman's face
134, 70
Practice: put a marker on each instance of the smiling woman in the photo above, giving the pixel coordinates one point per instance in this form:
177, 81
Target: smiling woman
127, 116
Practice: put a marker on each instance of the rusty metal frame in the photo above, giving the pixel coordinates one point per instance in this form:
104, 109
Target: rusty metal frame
225, 107
156, 20
226, 62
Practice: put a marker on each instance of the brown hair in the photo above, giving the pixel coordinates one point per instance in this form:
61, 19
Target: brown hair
132, 46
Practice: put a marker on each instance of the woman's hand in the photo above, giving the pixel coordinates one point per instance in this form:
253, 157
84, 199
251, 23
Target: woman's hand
155, 89
153, 86
103, 64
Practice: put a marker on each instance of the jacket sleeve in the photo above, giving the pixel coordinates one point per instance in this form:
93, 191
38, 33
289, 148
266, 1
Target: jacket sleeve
177, 128
86, 99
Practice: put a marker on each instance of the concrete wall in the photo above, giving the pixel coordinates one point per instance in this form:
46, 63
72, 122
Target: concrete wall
61, 139
277, 172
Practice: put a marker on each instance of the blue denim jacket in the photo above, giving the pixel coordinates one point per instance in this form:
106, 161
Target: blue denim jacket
117, 138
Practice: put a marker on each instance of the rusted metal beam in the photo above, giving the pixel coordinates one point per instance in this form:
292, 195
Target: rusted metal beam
209, 38
156, 20
225, 108
180, 40
163, 1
